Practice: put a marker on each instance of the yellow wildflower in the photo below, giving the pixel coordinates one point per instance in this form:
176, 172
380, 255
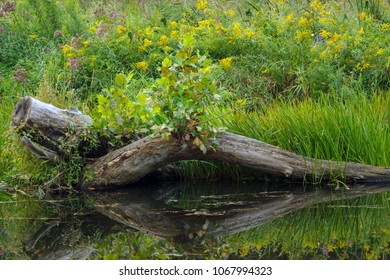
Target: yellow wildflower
331, 247
226, 62
338, 48
385, 26
121, 28
241, 102
204, 24
310, 244
219, 29
66, 49
201, 4
325, 34
303, 22
249, 33
341, 244
32, 36
149, 31
302, 35
174, 33
164, 41
362, 15
335, 37
237, 29
142, 65
379, 52
147, 43
317, 5
86, 44
324, 54
290, 18
361, 66
230, 13
361, 31
173, 23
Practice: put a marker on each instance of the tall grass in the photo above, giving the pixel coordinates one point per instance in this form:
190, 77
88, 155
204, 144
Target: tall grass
346, 127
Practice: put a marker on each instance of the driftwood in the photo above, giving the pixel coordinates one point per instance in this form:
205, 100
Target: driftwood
46, 129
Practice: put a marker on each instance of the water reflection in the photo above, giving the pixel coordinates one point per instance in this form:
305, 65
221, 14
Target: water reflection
70, 228
190, 211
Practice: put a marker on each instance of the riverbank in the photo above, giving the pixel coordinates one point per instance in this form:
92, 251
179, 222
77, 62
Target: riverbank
310, 77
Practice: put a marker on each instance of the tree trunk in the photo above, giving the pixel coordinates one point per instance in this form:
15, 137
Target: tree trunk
132, 162
47, 129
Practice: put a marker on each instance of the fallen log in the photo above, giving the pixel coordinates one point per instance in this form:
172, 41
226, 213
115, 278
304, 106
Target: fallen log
132, 162
49, 128
46, 128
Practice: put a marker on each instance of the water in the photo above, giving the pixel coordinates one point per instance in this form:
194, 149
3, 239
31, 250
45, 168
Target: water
181, 220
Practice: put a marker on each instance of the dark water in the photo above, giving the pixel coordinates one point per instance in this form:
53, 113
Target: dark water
70, 228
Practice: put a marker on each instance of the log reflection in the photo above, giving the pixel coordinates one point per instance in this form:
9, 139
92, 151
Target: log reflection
144, 209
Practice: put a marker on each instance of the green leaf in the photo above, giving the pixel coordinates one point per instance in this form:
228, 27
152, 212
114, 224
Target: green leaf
182, 54
142, 98
203, 149
120, 79
130, 76
118, 119
102, 99
167, 62
156, 109
188, 41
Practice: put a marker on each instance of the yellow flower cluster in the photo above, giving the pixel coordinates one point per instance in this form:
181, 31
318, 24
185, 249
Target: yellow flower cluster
142, 65
164, 41
230, 13
303, 35
361, 66
320, 31
121, 29
32, 36
201, 4
318, 5
226, 63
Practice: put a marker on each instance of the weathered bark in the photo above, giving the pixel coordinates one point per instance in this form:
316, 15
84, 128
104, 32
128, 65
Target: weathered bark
130, 163
46, 128
50, 127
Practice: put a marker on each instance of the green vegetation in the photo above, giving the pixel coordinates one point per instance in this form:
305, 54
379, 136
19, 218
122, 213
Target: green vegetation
309, 76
